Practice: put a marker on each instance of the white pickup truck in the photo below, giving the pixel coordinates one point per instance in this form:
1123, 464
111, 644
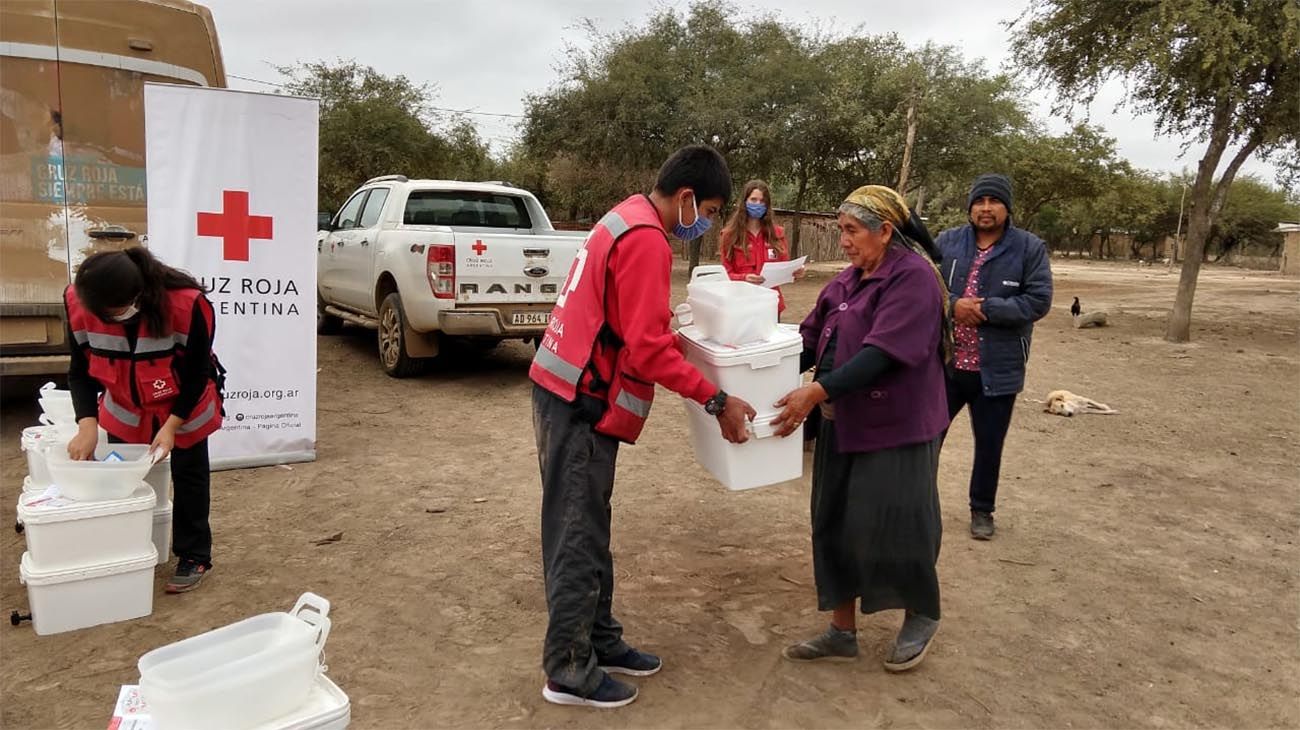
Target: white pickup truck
424, 260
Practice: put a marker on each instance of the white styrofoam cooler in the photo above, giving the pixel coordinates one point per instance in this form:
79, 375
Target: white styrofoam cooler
162, 531
761, 374
268, 662
730, 312
77, 598
64, 535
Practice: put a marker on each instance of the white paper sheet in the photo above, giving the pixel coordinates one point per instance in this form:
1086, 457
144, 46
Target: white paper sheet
776, 273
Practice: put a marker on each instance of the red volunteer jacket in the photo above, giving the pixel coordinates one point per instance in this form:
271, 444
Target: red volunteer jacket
758, 251
132, 416
609, 334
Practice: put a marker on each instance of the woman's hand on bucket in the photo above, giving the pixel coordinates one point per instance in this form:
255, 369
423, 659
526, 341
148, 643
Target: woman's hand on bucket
796, 406
82, 446
165, 441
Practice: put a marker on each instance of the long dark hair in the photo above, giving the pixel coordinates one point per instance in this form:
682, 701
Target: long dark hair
733, 234
113, 279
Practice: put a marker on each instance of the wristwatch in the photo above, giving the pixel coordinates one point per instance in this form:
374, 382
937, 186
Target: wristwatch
715, 405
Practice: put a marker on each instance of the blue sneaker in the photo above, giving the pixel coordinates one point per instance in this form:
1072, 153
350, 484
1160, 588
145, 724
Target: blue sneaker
610, 693
633, 662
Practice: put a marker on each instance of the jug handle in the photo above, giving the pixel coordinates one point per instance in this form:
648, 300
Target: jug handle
701, 272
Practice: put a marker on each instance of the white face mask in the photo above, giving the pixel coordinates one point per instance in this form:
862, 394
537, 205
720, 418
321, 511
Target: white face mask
128, 315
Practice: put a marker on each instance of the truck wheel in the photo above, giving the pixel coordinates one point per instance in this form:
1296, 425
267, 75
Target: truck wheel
392, 340
326, 324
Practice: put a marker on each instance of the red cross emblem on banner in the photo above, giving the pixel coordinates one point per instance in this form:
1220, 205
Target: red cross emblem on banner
234, 226
479, 247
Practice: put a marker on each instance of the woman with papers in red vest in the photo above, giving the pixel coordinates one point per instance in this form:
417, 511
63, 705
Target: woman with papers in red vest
752, 238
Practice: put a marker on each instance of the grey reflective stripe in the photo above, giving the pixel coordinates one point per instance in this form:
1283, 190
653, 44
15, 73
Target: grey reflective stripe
120, 413
633, 404
100, 341
555, 365
181, 339
200, 420
614, 223
154, 344
81, 336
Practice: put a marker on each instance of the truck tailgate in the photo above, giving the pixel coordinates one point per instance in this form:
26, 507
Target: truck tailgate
503, 268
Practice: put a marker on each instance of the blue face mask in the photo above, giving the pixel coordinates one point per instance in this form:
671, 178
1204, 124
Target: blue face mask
694, 230
756, 210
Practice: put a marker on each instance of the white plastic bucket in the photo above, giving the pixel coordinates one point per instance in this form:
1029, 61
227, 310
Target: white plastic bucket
59, 410
162, 531
327, 708
66, 535
95, 481
66, 600
159, 475
49, 390
268, 662
34, 442
62, 430
761, 374
731, 312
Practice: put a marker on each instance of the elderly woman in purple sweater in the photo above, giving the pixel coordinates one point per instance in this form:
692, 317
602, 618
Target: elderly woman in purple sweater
879, 337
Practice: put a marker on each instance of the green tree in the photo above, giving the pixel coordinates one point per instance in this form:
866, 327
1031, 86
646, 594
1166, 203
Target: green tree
1226, 72
371, 125
1250, 215
816, 115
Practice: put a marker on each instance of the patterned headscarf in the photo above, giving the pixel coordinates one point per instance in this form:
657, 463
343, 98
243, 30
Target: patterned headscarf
887, 205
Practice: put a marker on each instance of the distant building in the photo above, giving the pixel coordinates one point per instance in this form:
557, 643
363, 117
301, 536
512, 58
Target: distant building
1290, 247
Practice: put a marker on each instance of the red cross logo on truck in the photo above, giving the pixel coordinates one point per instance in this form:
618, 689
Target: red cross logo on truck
234, 226
479, 247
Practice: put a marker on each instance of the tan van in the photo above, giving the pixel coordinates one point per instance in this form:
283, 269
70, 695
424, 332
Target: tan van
72, 146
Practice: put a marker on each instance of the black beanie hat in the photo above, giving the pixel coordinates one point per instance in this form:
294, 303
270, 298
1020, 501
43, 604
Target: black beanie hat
992, 185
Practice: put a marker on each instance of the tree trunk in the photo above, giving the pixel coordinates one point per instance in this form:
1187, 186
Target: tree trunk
905, 168
920, 201
1207, 200
797, 222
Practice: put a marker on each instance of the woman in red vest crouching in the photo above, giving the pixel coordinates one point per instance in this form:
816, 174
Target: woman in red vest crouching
142, 368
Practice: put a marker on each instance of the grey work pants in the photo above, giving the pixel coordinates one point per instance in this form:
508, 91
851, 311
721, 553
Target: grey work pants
577, 466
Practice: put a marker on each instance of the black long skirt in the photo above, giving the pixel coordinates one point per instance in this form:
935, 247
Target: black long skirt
876, 526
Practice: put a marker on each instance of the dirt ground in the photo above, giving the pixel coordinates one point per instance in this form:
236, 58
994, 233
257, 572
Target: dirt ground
1144, 573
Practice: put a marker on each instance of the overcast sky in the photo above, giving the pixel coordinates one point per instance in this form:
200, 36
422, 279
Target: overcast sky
487, 55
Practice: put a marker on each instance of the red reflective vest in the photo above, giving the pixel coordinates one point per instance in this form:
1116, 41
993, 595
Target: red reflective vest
130, 416
579, 347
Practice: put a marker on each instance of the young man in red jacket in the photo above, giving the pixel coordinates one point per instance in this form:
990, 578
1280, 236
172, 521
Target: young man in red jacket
608, 343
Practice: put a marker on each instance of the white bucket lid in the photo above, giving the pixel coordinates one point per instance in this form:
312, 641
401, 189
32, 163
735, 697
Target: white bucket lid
785, 341
65, 510
33, 435
325, 705
32, 577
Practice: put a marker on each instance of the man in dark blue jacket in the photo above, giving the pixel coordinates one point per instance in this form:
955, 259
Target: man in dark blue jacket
1000, 281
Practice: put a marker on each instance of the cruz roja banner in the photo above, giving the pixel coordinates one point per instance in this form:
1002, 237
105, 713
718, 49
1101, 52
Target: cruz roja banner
231, 179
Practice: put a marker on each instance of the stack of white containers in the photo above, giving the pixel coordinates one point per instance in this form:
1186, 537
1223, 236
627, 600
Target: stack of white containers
733, 338
94, 529
264, 673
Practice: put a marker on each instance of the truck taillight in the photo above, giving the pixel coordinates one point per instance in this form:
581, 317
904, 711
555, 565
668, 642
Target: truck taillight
442, 271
